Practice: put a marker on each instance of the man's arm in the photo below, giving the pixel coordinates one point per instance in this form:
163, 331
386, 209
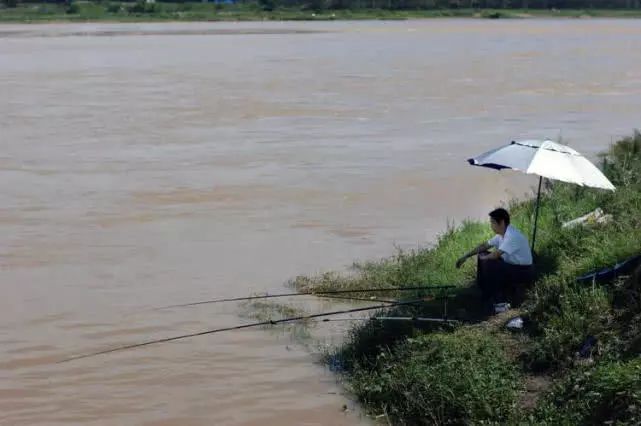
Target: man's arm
493, 255
479, 249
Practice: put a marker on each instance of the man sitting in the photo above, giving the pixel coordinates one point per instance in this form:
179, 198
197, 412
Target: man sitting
502, 273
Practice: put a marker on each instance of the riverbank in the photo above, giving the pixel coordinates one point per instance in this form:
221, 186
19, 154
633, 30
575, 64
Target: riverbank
185, 12
482, 373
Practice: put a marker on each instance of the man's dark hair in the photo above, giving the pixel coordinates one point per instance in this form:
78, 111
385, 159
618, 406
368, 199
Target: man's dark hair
500, 215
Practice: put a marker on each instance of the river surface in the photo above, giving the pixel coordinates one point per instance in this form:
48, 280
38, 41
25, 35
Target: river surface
143, 165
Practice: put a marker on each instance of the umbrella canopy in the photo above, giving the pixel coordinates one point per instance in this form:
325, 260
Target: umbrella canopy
547, 159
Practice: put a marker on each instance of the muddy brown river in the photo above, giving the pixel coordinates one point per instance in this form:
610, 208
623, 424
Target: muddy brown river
143, 165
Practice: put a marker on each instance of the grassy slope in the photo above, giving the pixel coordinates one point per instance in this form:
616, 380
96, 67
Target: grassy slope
440, 376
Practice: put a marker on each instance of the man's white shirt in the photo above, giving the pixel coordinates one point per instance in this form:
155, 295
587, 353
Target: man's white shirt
514, 245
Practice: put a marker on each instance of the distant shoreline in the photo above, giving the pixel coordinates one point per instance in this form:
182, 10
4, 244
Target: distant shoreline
115, 12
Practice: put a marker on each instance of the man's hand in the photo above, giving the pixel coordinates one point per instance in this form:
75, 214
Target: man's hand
493, 255
460, 262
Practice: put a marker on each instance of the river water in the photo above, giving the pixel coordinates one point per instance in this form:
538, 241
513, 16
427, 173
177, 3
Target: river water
149, 164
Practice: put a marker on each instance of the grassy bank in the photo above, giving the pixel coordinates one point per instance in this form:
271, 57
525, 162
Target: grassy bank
142, 12
480, 373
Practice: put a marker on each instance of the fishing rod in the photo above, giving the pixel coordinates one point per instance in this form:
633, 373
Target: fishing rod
364, 299
239, 327
414, 319
309, 293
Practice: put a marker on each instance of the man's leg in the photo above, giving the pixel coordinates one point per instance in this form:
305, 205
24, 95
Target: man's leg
501, 281
519, 278
483, 279
491, 278
480, 274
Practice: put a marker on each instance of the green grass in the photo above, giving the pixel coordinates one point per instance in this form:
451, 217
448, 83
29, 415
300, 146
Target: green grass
414, 383
427, 379
562, 314
609, 392
425, 267
137, 12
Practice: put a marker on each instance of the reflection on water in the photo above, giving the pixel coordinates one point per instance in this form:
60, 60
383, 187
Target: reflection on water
149, 164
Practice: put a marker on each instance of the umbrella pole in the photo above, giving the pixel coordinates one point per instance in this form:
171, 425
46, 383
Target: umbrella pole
536, 212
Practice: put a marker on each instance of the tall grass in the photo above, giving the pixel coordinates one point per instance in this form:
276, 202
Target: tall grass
562, 315
429, 267
459, 378
606, 394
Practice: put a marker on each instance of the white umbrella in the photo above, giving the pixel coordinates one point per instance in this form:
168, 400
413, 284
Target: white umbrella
547, 159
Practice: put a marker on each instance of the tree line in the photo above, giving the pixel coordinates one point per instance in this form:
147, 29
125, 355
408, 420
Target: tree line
407, 4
